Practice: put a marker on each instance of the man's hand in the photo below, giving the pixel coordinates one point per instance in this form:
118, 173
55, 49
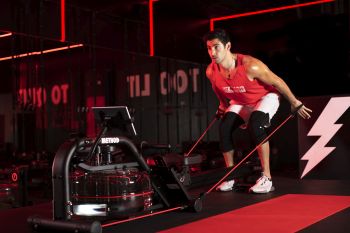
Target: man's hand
303, 111
220, 113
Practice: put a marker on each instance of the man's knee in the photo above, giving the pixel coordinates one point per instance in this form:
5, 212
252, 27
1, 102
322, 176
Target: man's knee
256, 126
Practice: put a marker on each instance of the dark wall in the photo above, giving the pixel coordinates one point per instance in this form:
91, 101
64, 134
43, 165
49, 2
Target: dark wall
308, 48
173, 100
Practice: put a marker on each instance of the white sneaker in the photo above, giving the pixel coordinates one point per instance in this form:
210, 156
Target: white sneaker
263, 185
226, 186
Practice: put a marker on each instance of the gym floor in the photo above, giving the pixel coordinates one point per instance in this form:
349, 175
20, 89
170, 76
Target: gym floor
222, 209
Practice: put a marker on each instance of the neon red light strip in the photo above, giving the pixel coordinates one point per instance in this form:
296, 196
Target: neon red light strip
38, 53
143, 216
115, 197
6, 35
151, 38
63, 20
265, 11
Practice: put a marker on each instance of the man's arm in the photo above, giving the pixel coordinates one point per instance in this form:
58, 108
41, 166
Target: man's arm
258, 70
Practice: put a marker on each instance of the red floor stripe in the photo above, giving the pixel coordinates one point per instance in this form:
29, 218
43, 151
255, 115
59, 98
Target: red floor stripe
288, 213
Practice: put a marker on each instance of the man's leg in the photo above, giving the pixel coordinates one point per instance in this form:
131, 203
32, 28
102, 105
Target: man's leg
228, 156
256, 128
227, 185
264, 155
229, 123
258, 121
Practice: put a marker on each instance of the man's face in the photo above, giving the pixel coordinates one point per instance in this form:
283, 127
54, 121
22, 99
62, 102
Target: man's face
217, 50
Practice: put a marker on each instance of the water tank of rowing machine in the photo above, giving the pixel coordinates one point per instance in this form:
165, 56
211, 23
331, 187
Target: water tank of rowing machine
110, 192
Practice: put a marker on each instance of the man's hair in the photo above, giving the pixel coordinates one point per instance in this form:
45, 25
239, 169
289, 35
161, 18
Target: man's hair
219, 34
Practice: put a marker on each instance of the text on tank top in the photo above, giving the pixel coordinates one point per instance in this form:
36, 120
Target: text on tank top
238, 88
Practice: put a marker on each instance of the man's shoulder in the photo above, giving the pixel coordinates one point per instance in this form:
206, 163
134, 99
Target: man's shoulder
254, 66
210, 70
249, 60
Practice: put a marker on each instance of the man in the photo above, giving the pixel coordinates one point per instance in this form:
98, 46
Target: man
249, 94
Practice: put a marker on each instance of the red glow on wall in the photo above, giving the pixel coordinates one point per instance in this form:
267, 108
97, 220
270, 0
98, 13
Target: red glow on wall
151, 37
265, 11
93, 101
37, 96
40, 52
63, 20
14, 177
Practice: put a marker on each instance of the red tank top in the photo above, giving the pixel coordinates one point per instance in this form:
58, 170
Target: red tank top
239, 89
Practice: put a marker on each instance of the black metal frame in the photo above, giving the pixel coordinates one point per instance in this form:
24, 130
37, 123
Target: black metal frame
163, 179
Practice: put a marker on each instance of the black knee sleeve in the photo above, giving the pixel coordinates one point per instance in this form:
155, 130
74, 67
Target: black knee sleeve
256, 126
229, 123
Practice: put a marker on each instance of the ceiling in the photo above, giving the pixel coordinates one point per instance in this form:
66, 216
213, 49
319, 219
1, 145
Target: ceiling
177, 22
204, 9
